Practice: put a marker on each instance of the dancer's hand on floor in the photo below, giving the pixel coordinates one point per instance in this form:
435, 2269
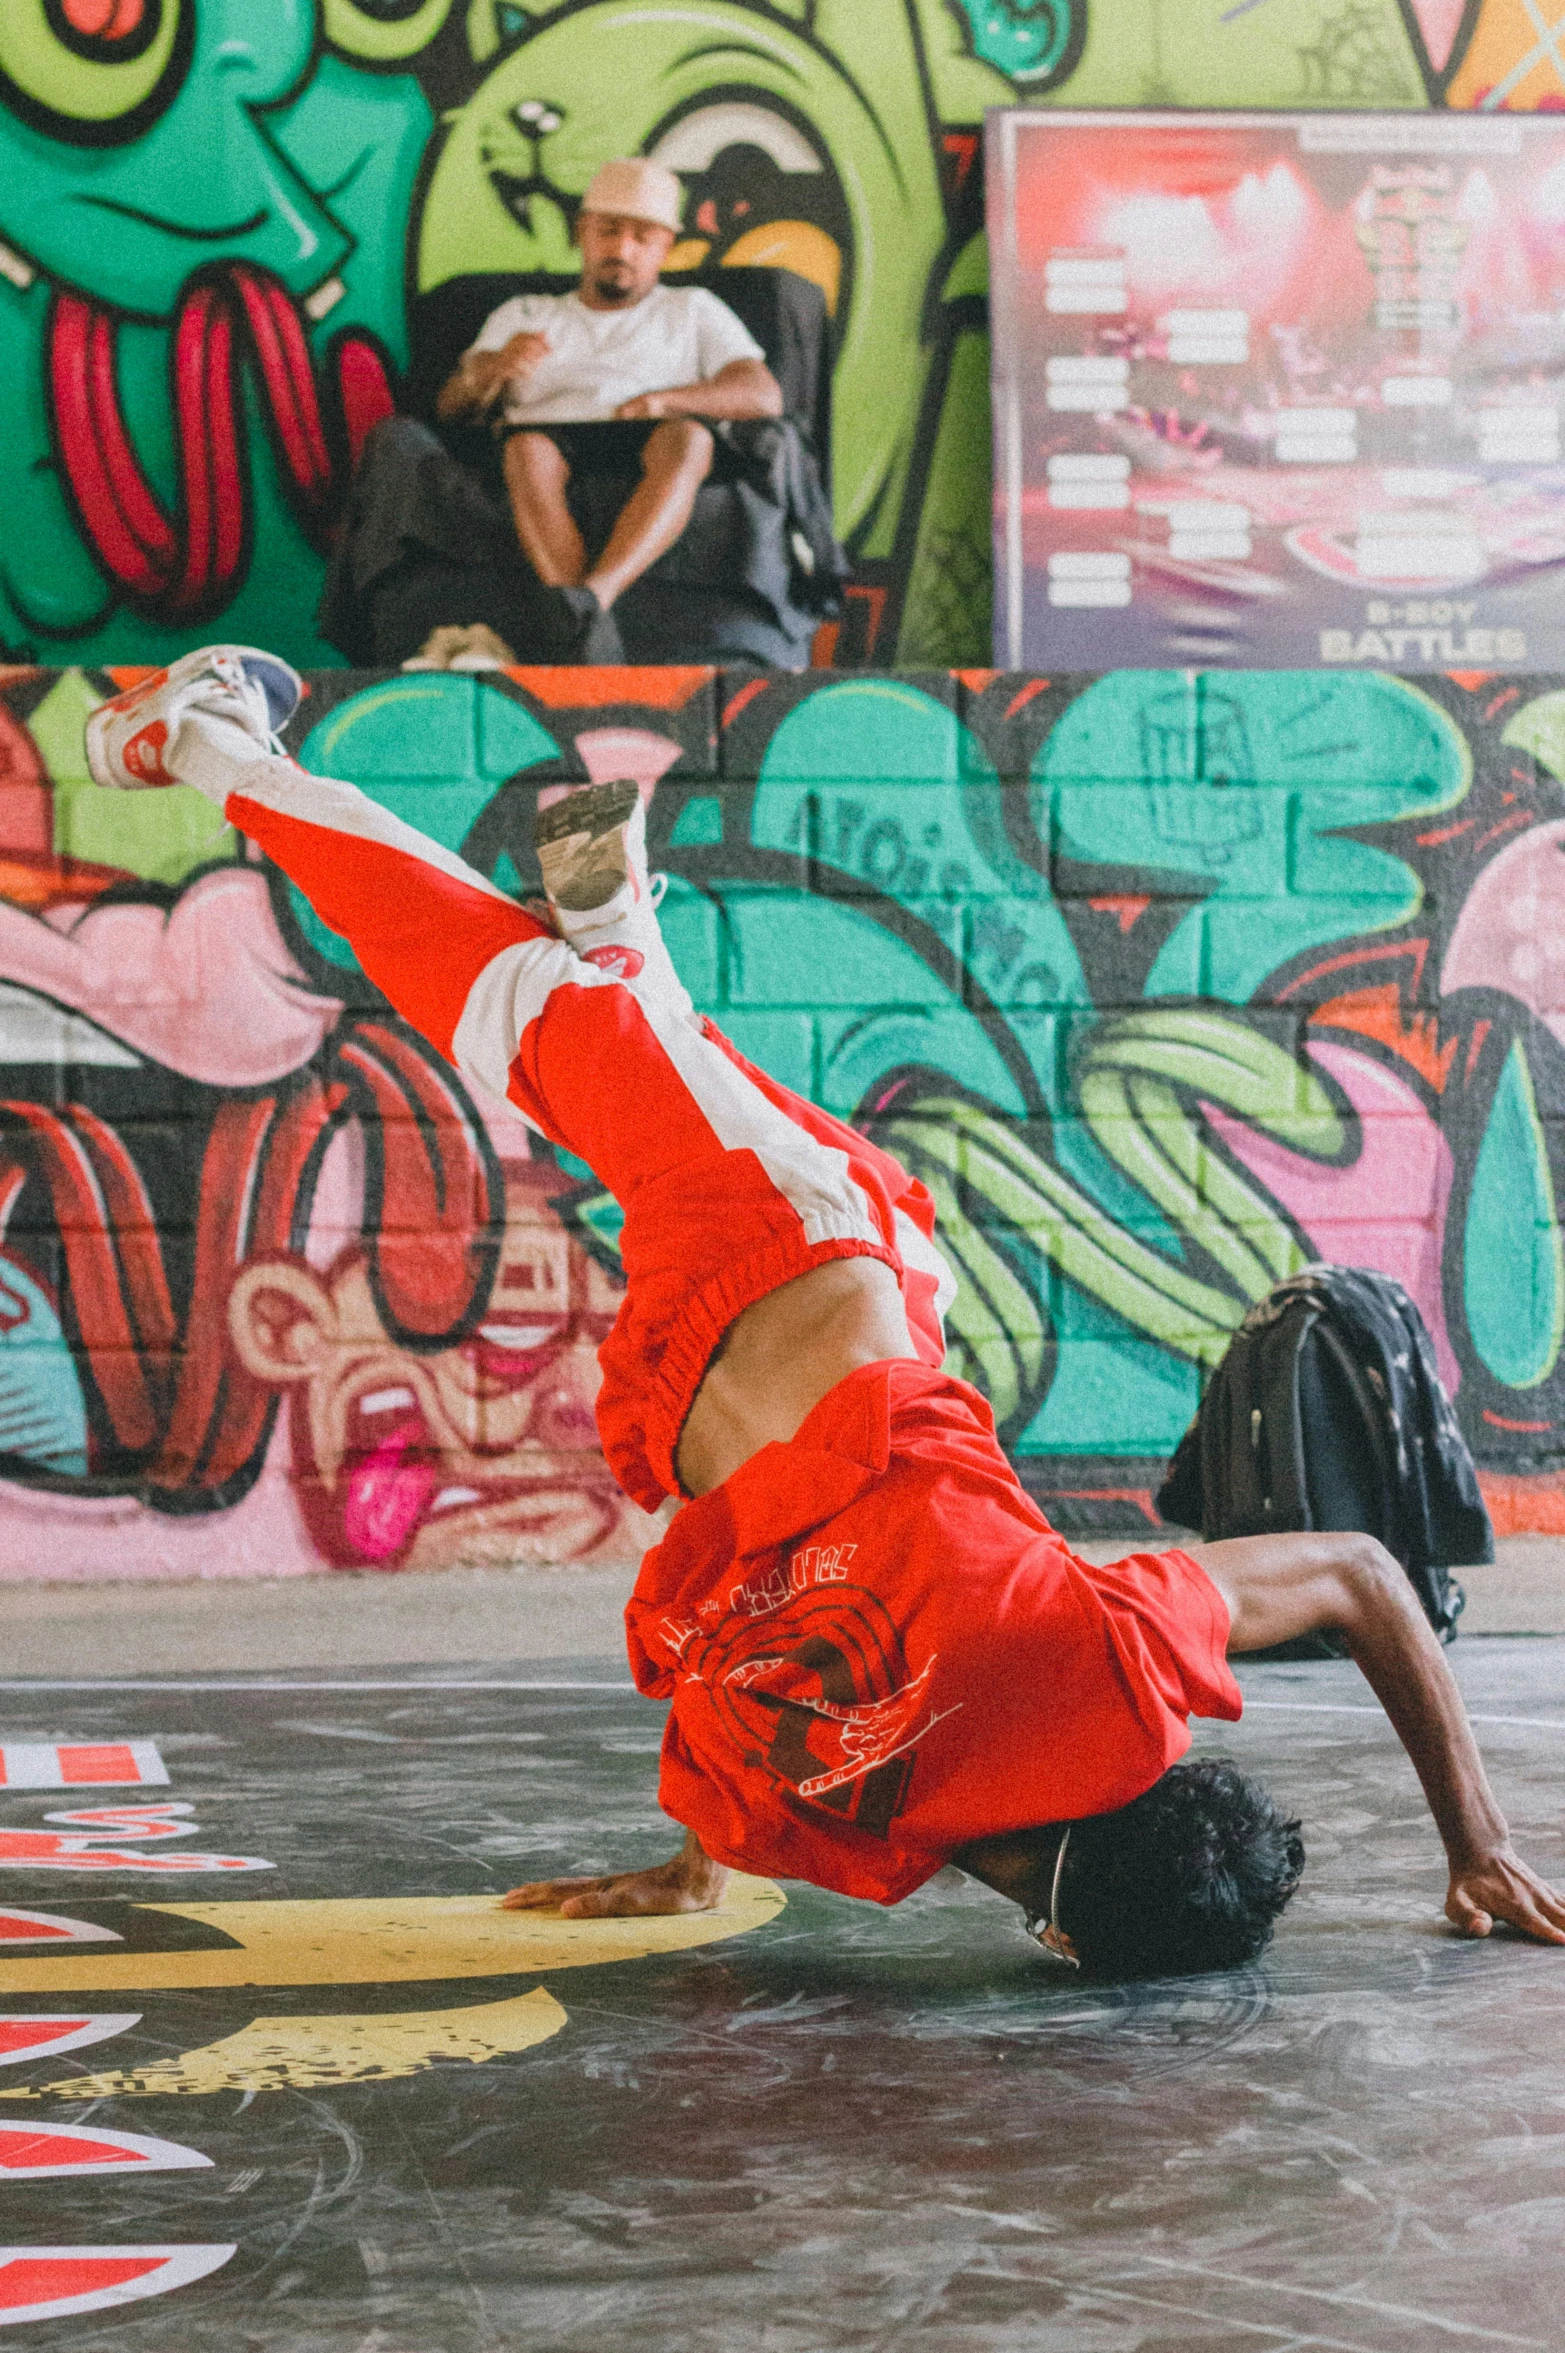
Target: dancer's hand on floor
1499, 1886
691, 1882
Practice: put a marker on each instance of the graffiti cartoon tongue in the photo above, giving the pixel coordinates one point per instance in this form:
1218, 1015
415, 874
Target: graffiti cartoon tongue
188, 564
388, 1494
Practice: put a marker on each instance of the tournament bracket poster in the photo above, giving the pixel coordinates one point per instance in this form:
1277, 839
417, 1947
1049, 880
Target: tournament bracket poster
1278, 390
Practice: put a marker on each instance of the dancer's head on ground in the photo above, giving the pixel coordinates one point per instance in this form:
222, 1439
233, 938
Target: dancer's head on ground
1189, 1876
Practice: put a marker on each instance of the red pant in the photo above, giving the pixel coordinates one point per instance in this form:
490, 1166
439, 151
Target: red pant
730, 1184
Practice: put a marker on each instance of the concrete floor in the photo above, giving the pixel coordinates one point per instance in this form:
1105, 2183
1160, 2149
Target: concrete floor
390, 2118
459, 1616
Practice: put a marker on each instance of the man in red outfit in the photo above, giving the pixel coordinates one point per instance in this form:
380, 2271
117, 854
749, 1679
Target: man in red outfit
879, 1656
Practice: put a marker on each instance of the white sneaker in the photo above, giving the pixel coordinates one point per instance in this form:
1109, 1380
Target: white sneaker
127, 737
592, 849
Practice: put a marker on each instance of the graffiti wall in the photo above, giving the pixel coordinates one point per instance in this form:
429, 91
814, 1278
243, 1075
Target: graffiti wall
215, 213
1165, 983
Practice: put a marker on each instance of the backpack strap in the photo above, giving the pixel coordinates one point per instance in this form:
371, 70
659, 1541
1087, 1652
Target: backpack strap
1369, 1431
1276, 1424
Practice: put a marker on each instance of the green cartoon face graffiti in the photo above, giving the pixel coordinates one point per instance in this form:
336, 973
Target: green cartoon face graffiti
219, 172
134, 171
150, 135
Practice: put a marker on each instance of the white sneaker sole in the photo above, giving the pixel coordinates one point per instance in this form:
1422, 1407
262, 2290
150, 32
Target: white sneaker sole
582, 847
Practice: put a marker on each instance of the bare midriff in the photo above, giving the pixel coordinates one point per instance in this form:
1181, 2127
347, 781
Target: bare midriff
779, 1359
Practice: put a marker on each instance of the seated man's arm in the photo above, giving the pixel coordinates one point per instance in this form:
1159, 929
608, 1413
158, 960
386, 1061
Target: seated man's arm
1280, 1587
691, 1882
480, 377
745, 388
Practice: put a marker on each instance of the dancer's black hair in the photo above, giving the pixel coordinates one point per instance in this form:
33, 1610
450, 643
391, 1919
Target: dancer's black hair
1189, 1876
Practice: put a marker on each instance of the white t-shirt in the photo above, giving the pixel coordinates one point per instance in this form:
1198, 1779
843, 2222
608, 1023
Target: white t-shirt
599, 358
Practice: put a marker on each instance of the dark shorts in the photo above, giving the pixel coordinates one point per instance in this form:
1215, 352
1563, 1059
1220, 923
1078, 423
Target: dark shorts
611, 448
614, 448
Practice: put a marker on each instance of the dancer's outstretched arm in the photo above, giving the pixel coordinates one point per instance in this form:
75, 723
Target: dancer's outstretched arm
1280, 1587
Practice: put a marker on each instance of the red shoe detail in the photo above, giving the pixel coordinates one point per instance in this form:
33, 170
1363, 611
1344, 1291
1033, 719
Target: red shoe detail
134, 696
623, 963
143, 754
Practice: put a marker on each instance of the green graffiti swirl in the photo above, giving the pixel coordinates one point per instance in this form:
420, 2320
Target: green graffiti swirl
1005, 1214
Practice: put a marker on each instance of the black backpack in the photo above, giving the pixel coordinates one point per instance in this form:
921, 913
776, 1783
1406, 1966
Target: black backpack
1328, 1412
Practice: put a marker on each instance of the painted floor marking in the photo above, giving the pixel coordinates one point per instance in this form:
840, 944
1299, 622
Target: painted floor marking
50, 1928
52, 2283
76, 1764
37, 2034
90, 1838
35, 2152
303, 2053
381, 1941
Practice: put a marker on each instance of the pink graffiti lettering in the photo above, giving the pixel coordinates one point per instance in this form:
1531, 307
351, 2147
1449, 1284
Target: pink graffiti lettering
206, 987
388, 1494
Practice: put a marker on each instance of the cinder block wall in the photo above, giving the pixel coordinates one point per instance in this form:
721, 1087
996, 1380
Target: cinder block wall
1165, 983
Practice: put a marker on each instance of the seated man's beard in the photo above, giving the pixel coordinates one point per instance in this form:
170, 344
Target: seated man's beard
611, 281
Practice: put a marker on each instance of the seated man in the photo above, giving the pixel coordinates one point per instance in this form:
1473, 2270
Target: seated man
880, 1658
621, 350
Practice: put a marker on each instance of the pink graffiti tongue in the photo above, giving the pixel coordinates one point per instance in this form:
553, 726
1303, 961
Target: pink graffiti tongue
388, 1495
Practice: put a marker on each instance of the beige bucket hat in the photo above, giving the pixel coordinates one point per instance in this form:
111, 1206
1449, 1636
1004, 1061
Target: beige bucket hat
641, 190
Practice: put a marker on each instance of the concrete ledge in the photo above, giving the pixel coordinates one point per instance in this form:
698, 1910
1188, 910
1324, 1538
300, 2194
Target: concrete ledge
1522, 1591
492, 1617
438, 1618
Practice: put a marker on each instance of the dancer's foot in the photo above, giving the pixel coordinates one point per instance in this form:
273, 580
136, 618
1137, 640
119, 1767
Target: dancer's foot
227, 701
592, 848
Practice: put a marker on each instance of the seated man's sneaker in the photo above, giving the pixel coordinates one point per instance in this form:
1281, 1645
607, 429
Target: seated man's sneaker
592, 849
580, 629
230, 699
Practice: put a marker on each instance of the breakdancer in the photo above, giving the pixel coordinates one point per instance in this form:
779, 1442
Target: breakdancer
880, 1657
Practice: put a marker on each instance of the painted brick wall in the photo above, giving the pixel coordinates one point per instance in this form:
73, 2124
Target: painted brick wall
1163, 982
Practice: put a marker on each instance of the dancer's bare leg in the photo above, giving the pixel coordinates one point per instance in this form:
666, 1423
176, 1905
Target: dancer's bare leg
536, 474
676, 461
